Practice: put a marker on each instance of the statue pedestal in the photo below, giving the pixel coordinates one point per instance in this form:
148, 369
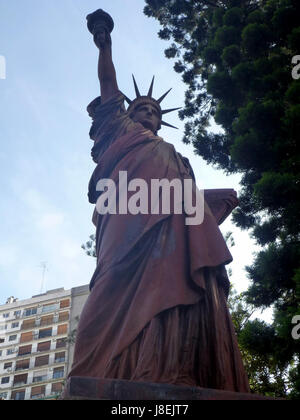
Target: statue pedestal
83, 388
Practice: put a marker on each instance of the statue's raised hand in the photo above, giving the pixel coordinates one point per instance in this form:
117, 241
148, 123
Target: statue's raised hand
102, 38
100, 24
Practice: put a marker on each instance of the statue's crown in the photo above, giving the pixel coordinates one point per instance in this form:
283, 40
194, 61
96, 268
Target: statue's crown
133, 104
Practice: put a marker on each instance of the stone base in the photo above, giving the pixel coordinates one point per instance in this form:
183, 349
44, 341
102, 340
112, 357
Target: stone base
84, 388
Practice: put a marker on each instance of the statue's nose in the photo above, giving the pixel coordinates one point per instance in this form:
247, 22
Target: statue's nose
149, 111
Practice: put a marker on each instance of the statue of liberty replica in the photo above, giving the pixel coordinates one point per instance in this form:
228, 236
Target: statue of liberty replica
157, 310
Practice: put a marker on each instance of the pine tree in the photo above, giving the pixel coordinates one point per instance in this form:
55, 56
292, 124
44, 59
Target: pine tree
235, 57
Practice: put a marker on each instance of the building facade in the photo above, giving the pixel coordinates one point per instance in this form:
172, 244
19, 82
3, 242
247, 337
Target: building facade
37, 343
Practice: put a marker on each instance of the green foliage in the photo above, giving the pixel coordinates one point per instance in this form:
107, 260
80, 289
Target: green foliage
255, 39
90, 246
219, 85
225, 36
235, 58
260, 346
231, 56
233, 16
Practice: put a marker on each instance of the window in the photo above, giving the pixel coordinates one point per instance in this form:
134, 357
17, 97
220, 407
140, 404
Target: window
58, 373
45, 346
10, 351
29, 311
7, 365
38, 391
15, 325
25, 350
3, 327
26, 337
22, 364
62, 329
57, 387
28, 323
42, 360
12, 337
46, 320
61, 342
50, 308
3, 395
45, 333
20, 379
2, 340
18, 395
40, 376
64, 303
5, 380
17, 314
6, 315
60, 357
63, 316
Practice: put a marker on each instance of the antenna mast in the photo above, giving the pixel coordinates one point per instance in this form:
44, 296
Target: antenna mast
43, 266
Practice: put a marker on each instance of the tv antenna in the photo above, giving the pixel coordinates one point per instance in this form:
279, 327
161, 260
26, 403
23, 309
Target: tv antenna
44, 268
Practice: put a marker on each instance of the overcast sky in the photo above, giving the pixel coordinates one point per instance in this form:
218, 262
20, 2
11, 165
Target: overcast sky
45, 163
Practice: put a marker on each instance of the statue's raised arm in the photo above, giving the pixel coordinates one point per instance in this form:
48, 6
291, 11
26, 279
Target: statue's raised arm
157, 310
100, 24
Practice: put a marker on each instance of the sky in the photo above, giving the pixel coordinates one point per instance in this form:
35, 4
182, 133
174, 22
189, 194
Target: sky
45, 163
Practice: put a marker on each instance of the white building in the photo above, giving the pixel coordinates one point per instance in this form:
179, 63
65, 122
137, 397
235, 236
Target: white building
36, 348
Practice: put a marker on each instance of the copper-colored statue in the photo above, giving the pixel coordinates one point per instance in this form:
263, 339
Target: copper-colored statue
157, 309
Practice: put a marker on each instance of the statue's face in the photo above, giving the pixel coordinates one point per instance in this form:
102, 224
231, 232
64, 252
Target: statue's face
148, 116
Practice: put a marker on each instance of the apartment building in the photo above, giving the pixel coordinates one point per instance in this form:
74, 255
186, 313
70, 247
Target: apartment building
36, 346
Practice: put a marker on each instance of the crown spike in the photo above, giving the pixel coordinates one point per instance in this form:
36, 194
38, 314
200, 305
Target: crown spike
168, 125
163, 96
166, 111
129, 101
137, 92
151, 88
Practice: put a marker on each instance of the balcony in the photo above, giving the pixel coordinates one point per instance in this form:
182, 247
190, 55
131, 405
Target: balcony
31, 366
59, 345
44, 323
18, 384
40, 379
50, 377
37, 397
20, 368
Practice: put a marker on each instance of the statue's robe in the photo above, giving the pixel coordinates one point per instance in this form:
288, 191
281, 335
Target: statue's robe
157, 308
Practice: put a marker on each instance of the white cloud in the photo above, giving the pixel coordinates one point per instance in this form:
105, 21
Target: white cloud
28, 280
49, 221
32, 198
69, 249
8, 255
44, 232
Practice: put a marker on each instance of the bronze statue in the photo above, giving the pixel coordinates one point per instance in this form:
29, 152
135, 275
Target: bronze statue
157, 309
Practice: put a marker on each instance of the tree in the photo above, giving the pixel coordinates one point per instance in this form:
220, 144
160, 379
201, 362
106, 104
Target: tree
257, 341
90, 246
236, 58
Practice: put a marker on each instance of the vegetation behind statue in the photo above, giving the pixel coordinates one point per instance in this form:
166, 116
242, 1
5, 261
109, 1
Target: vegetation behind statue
236, 58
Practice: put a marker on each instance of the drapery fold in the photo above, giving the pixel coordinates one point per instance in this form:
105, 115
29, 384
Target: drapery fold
156, 277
